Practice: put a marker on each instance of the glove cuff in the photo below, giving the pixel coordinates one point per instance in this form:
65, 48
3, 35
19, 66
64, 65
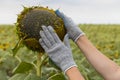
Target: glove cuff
69, 68
79, 37
67, 64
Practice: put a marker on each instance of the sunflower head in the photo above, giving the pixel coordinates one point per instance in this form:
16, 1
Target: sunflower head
29, 24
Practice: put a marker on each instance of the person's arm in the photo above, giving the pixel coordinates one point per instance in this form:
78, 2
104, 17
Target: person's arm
74, 74
59, 53
106, 67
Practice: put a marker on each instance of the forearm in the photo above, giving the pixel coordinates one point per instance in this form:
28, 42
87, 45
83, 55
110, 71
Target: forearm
101, 63
74, 74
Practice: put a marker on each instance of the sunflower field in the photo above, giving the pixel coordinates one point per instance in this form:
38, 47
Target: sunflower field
24, 65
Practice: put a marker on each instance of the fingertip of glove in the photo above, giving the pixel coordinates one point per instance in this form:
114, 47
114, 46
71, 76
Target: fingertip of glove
40, 41
50, 28
41, 32
43, 26
57, 12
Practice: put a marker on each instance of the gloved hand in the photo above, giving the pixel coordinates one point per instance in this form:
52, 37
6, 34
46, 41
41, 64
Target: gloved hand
59, 52
72, 29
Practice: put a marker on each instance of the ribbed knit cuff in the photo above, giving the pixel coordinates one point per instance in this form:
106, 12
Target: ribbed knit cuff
79, 37
68, 65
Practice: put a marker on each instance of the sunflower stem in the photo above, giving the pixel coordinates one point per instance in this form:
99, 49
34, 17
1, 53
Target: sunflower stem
38, 70
16, 48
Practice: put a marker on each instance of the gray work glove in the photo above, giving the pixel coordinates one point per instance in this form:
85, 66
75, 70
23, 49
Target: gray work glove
72, 29
59, 52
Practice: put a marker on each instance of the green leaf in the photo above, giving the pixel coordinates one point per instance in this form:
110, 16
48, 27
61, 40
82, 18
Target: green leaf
18, 77
3, 75
58, 76
23, 67
33, 77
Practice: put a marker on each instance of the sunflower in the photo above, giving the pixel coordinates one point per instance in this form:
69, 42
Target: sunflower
29, 24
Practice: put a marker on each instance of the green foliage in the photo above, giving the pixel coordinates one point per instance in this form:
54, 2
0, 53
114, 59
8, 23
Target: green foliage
32, 77
23, 67
58, 76
3, 75
18, 77
105, 37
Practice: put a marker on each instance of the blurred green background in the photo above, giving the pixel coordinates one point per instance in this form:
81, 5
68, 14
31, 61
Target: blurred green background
106, 38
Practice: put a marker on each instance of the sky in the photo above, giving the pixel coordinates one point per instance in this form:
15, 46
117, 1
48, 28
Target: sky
81, 11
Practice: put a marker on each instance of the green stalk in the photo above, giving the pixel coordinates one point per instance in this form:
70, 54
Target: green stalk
40, 61
17, 46
38, 70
